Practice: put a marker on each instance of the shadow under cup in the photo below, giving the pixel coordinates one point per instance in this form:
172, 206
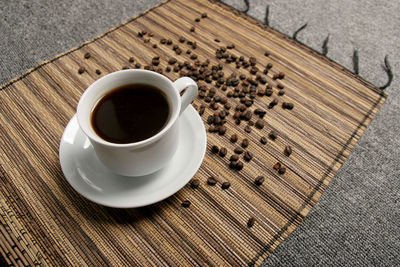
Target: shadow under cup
138, 158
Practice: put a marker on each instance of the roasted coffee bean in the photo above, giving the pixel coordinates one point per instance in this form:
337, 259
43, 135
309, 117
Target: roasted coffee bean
263, 80
247, 129
227, 106
277, 166
193, 56
265, 71
288, 150
202, 94
163, 41
234, 138
138, 66
192, 29
197, 19
155, 61
169, 42
214, 106
186, 204
232, 164
217, 120
237, 121
259, 124
81, 70
286, 105
259, 180
252, 61
222, 130
251, 222
248, 115
188, 51
269, 86
155, 45
211, 129
266, 53
268, 92
239, 165
280, 86
201, 110
224, 100
168, 69
282, 170
273, 135
131, 59
273, 103
87, 55
194, 183
146, 40
223, 151
250, 123
253, 70
269, 66
176, 69
98, 72
217, 99
172, 61
238, 150
214, 149
210, 119
263, 140
211, 180
275, 76
204, 15
281, 92
281, 75
245, 143
258, 111
234, 158
247, 156
217, 40
225, 185
178, 51
248, 102
151, 34
222, 114
175, 47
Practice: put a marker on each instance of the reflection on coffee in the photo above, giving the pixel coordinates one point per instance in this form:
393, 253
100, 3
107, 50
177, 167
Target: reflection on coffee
130, 113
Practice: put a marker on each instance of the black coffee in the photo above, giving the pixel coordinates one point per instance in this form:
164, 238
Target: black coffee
130, 113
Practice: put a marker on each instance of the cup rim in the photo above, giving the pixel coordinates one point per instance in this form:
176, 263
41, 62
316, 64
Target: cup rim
93, 136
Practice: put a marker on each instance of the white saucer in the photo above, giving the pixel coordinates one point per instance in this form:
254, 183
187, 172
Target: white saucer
91, 179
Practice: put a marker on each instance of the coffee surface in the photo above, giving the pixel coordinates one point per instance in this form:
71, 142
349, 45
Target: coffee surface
130, 113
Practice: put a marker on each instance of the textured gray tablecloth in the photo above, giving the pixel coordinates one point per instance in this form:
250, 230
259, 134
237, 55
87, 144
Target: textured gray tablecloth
356, 222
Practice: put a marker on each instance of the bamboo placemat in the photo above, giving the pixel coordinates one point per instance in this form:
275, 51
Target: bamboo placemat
44, 221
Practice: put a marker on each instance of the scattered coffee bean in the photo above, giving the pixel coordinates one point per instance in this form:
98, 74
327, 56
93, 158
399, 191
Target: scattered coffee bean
259, 180
288, 150
245, 143
188, 51
280, 86
169, 42
146, 40
222, 130
268, 92
155, 45
275, 76
273, 135
204, 15
231, 46
131, 59
234, 138
281, 92
225, 185
234, 157
87, 55
223, 151
178, 51
259, 124
266, 53
81, 70
186, 204
277, 166
239, 165
192, 29
214, 149
211, 129
263, 140
98, 72
168, 69
251, 222
252, 61
138, 66
286, 105
151, 34
163, 41
269, 66
273, 103
155, 61
211, 180
247, 129
238, 150
125, 67
197, 19
193, 56
194, 183
281, 75
217, 40
247, 156
282, 170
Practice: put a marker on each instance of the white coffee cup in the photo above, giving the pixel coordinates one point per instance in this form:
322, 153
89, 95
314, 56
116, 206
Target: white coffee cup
152, 154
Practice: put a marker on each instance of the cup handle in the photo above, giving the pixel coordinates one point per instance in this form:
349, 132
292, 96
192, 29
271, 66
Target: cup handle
190, 93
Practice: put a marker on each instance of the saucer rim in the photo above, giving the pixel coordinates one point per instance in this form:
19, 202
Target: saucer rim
191, 113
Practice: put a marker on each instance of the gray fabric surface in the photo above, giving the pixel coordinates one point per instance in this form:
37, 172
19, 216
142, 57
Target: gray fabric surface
356, 222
